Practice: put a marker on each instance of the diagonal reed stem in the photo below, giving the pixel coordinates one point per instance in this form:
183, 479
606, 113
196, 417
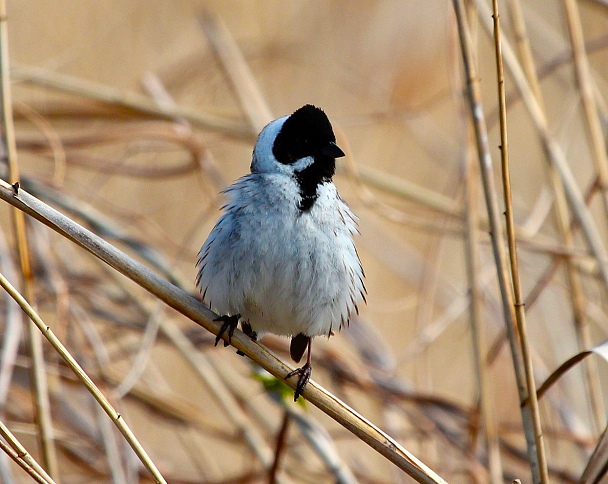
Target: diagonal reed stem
15, 450
84, 378
200, 314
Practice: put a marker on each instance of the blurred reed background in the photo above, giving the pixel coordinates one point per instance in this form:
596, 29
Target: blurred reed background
131, 117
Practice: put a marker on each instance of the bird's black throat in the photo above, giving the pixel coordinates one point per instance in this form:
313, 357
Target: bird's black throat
308, 133
310, 178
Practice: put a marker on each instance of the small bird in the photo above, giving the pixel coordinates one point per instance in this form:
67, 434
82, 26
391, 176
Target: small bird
281, 259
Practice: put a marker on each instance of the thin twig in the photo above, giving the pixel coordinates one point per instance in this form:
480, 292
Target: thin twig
200, 314
577, 296
280, 447
38, 369
22, 454
24, 465
477, 329
540, 463
585, 85
84, 378
485, 160
555, 152
129, 100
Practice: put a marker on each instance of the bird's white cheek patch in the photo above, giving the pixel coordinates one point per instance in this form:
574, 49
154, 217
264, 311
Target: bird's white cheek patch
303, 163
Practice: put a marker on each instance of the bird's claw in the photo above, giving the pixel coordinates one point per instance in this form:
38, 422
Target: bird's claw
228, 323
304, 373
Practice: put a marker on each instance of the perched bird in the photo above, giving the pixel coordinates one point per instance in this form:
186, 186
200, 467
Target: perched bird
281, 259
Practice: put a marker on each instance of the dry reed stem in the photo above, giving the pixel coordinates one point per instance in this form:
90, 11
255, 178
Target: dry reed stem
20, 455
200, 314
237, 71
24, 465
206, 372
585, 85
560, 167
83, 377
485, 160
484, 384
132, 101
38, 368
259, 114
576, 293
541, 460
204, 367
553, 149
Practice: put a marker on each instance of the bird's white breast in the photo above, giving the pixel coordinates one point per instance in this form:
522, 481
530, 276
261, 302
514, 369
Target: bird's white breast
284, 270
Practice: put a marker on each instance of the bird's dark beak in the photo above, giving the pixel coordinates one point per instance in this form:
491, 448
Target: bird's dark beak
333, 150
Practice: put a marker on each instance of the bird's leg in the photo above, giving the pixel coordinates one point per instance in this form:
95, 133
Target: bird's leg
228, 323
304, 373
248, 330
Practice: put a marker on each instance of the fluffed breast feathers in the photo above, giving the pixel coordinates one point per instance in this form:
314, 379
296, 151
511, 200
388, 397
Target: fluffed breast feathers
283, 270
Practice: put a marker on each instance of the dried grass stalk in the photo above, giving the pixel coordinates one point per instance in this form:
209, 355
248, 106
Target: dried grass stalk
485, 160
538, 462
200, 314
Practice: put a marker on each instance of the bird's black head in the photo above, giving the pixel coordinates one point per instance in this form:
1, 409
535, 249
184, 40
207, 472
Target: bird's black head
308, 133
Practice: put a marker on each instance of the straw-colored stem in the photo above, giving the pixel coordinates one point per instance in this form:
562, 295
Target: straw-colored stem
583, 75
128, 100
554, 151
38, 368
21, 463
237, 70
206, 372
520, 314
83, 377
409, 191
200, 314
483, 151
575, 287
20, 455
585, 85
477, 330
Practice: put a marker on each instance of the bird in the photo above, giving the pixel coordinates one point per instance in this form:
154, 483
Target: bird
281, 259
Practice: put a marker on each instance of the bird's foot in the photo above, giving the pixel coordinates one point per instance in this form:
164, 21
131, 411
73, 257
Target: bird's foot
304, 373
228, 323
248, 330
